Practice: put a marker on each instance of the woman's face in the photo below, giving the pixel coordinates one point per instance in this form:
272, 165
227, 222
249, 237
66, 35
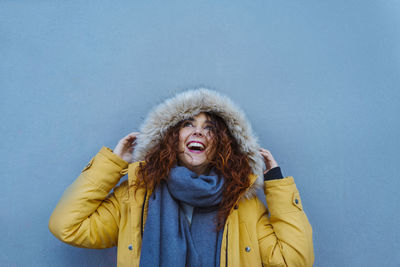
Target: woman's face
196, 148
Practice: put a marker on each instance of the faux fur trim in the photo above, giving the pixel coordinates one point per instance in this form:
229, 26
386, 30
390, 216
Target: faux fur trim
190, 103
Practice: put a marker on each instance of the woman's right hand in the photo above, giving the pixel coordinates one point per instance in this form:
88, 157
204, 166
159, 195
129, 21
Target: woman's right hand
124, 148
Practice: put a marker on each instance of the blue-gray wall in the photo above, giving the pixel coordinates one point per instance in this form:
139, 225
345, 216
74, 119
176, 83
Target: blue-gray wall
319, 81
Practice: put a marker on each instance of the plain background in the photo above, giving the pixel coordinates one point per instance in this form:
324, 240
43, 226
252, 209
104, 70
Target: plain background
319, 81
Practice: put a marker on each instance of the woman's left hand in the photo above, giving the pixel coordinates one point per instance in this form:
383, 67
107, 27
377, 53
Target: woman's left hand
269, 160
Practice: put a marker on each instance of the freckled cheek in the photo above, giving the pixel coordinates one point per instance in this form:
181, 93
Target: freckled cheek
182, 138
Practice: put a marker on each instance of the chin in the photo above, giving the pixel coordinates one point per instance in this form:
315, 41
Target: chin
198, 164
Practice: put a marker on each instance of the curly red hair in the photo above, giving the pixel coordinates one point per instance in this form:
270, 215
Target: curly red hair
228, 161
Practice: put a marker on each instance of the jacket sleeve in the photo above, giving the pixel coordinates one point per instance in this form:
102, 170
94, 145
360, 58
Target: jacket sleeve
285, 236
87, 215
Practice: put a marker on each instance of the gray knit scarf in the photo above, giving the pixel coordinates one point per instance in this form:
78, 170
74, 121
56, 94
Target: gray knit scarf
168, 240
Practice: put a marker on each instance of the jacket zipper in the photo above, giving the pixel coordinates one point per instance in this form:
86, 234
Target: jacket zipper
226, 246
141, 222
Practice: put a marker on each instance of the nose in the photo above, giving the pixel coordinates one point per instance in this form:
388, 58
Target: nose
198, 132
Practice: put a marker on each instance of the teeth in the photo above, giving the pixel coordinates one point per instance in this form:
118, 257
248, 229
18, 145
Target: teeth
196, 145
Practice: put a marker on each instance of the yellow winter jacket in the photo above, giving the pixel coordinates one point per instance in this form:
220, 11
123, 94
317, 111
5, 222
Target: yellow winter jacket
88, 216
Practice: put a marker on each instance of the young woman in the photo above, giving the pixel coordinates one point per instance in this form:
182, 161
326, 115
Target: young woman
190, 198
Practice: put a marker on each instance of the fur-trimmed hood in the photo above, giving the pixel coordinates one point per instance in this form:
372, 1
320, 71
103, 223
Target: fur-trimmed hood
190, 103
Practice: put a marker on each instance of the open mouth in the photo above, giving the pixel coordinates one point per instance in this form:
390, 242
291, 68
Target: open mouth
196, 147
